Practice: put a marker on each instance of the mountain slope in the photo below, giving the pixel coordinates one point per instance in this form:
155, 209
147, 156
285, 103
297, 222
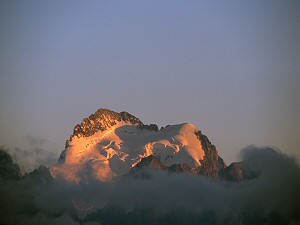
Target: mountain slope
108, 144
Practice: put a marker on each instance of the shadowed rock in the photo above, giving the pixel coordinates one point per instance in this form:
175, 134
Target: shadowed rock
8, 170
212, 162
40, 175
144, 168
152, 127
234, 172
180, 168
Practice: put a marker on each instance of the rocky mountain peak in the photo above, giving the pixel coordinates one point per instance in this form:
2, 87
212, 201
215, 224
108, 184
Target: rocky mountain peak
109, 144
102, 120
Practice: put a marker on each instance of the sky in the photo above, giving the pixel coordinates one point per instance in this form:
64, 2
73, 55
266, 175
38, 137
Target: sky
231, 68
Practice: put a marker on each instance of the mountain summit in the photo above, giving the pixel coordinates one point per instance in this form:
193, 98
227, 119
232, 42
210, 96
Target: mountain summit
102, 120
108, 145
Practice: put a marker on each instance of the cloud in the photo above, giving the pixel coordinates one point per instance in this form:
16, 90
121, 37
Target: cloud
273, 198
33, 152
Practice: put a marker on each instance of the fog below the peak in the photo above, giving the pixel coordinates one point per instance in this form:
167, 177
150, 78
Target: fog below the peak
273, 198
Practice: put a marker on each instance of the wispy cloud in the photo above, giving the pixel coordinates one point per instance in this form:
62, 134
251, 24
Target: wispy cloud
33, 152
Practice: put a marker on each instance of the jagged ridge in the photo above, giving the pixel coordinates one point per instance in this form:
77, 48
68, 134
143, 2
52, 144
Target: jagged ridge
235, 172
102, 120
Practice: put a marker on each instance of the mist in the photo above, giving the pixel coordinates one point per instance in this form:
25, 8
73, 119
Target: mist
272, 198
33, 151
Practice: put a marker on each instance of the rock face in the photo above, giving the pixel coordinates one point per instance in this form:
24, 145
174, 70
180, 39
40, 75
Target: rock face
150, 162
108, 145
211, 163
8, 170
180, 168
234, 172
40, 175
238, 172
11, 171
102, 120
143, 169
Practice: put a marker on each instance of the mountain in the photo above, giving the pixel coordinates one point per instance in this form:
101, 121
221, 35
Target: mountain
107, 145
8, 169
40, 175
11, 171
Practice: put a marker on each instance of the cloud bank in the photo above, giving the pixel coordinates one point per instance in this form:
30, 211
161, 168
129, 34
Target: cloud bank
272, 198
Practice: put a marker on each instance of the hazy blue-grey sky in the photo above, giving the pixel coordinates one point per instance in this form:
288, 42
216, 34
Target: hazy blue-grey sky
230, 67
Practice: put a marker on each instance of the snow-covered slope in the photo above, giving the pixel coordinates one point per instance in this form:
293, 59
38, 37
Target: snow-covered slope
111, 149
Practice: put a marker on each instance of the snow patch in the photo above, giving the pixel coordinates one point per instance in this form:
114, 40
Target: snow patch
111, 153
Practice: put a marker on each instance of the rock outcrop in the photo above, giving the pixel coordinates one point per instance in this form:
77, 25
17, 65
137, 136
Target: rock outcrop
102, 120
238, 172
180, 168
8, 170
144, 168
212, 163
40, 175
234, 172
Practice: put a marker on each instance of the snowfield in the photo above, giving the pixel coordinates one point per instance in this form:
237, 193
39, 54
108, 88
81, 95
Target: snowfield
108, 154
